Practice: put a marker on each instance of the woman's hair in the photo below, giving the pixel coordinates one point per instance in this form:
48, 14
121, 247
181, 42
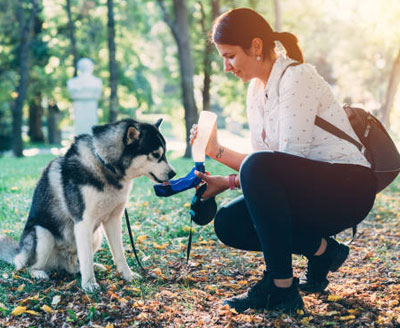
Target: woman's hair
240, 26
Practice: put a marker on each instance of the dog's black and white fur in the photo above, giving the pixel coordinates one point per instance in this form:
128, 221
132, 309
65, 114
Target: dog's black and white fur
83, 192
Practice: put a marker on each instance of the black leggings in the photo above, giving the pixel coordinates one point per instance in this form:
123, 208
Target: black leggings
289, 203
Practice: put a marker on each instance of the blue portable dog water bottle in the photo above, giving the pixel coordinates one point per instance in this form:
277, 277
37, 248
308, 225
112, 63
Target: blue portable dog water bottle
204, 129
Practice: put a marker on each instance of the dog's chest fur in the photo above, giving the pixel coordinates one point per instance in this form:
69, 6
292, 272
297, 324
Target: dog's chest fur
99, 205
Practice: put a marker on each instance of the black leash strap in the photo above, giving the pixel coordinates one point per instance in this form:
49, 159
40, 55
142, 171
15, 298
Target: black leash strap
128, 224
354, 231
189, 246
196, 198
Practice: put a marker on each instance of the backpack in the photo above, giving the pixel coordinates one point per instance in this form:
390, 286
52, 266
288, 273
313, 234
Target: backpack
376, 144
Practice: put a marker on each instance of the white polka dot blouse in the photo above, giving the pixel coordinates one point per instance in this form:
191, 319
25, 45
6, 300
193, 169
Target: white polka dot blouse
283, 120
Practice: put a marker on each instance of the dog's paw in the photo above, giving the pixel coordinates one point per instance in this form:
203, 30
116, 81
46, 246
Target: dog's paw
136, 276
90, 286
99, 267
129, 275
39, 274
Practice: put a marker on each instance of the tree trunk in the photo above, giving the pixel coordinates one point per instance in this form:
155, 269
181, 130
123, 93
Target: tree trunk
180, 31
208, 52
112, 62
278, 16
25, 26
391, 91
35, 132
71, 33
35, 119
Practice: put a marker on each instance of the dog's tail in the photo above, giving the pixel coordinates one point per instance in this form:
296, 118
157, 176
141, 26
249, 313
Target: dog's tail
8, 249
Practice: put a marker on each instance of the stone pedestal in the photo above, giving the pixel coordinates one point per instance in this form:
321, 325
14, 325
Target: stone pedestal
85, 91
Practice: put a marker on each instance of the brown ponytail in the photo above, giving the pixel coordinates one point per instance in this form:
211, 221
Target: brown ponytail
290, 43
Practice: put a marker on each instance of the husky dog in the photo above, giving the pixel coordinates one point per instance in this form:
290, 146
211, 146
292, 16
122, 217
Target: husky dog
82, 192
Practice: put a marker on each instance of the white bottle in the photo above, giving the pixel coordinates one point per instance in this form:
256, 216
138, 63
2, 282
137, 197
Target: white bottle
204, 128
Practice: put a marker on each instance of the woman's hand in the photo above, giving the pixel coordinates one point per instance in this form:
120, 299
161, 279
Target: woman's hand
215, 184
213, 143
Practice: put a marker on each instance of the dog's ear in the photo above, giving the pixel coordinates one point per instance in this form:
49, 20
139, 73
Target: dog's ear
132, 135
158, 123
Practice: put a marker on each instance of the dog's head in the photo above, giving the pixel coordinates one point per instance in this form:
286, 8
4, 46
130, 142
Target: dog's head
134, 148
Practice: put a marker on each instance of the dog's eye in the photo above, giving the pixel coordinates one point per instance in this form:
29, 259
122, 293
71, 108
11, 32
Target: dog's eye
156, 155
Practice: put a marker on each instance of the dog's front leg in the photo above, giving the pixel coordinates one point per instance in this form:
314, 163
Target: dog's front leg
113, 230
84, 244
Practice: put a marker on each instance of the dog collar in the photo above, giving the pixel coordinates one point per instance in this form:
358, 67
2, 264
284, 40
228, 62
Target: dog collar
108, 166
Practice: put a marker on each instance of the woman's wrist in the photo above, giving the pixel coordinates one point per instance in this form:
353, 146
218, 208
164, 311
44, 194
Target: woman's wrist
233, 181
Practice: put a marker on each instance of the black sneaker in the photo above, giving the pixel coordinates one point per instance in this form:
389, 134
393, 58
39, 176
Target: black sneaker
265, 295
318, 267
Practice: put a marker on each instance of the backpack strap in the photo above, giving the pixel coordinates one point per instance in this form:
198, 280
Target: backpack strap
325, 125
284, 71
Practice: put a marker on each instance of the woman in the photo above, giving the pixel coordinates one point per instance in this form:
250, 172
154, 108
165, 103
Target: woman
302, 184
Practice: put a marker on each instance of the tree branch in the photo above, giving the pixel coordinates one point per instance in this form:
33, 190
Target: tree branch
167, 19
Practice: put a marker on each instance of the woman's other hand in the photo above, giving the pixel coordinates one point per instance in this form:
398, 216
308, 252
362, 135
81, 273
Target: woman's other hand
215, 184
213, 143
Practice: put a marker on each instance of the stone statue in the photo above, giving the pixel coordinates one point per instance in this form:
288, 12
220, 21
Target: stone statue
85, 91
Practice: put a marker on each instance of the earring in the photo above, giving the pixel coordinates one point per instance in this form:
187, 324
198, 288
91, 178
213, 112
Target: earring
258, 58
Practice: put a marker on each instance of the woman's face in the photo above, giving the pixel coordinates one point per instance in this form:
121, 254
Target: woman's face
236, 60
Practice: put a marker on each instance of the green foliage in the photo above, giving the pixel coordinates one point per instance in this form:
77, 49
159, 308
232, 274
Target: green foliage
351, 44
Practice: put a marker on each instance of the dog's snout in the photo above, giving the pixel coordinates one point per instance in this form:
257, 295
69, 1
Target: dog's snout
171, 174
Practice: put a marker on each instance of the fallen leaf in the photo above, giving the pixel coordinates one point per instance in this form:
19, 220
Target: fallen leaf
32, 312
56, 300
70, 285
334, 298
47, 309
157, 246
141, 238
18, 310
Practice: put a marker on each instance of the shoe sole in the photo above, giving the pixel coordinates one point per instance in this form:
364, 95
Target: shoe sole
292, 305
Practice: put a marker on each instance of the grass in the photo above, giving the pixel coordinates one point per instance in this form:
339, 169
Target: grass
189, 296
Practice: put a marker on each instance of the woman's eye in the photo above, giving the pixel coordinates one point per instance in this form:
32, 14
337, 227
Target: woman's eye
156, 155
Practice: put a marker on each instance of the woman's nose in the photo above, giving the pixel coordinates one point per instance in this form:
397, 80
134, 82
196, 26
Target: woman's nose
227, 65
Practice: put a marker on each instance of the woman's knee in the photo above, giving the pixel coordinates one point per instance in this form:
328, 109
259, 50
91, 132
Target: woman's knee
257, 164
221, 225
236, 229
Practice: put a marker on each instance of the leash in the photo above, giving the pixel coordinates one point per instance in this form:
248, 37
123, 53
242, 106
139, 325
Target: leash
189, 246
201, 212
128, 224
